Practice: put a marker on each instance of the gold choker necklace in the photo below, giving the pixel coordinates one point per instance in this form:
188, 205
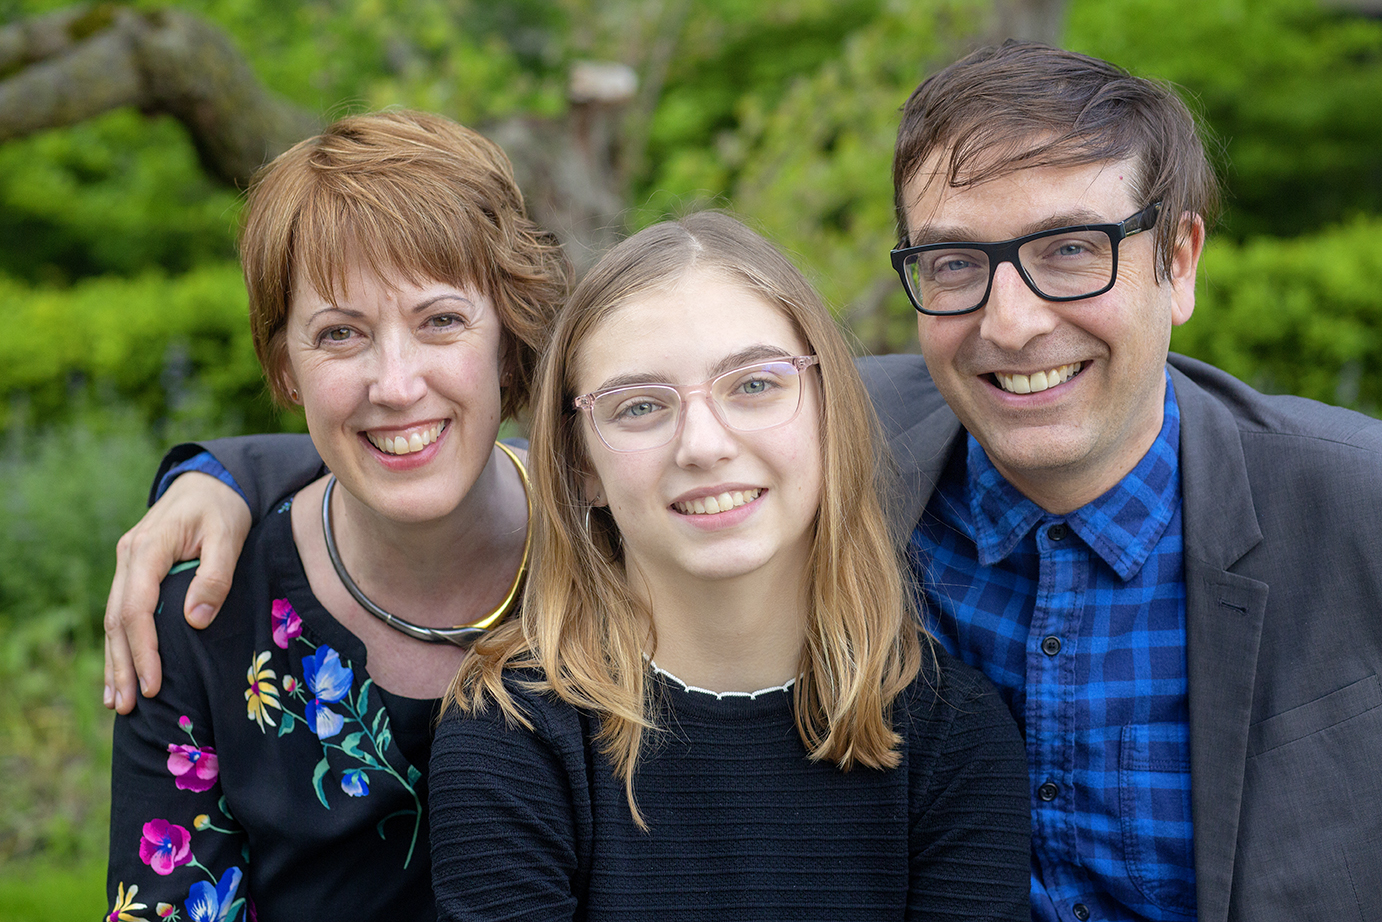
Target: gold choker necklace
462, 635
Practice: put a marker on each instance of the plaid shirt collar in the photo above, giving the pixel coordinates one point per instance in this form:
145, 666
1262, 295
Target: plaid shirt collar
1122, 526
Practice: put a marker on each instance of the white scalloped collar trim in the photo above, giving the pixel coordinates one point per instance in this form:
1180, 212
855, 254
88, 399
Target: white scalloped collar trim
786, 686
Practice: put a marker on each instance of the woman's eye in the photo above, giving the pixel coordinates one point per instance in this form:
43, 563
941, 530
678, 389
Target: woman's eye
336, 334
446, 321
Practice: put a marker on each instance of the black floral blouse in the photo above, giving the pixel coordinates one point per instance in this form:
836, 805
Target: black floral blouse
270, 778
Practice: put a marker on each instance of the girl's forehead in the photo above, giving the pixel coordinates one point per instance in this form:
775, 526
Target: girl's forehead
682, 331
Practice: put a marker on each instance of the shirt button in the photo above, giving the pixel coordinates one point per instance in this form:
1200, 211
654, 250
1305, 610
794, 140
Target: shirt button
1048, 792
1050, 645
1081, 911
1057, 532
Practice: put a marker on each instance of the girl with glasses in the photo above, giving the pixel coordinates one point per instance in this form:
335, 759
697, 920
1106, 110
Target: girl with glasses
717, 701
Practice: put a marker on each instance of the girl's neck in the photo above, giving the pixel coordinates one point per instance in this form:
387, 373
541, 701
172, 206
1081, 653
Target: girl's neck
732, 635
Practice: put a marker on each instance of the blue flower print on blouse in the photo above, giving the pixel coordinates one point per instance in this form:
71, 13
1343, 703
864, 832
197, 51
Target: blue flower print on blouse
206, 903
329, 682
355, 783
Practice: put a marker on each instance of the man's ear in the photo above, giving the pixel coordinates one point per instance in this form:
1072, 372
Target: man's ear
1185, 262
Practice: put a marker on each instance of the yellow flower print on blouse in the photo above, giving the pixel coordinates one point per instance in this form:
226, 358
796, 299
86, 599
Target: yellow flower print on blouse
125, 905
261, 695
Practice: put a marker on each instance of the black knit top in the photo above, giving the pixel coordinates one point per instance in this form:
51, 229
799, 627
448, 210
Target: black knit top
742, 825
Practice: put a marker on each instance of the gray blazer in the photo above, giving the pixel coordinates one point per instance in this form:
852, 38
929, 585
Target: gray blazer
1282, 512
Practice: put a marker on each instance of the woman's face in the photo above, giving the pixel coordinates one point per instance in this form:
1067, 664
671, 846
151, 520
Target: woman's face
706, 325
400, 384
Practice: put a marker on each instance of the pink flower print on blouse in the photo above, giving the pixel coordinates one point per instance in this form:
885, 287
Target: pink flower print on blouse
194, 768
165, 846
287, 624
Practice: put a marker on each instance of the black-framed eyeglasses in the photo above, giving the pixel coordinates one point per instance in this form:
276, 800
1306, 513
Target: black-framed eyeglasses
640, 417
1065, 264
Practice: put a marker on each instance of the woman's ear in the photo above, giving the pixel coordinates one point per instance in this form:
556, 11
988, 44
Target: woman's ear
289, 383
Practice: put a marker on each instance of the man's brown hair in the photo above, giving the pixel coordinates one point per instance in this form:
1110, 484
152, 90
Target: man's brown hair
1023, 104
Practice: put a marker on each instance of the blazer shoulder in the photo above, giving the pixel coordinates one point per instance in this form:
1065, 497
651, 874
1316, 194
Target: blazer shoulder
901, 388
1279, 418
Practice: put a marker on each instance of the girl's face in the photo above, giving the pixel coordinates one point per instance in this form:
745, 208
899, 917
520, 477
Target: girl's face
765, 484
400, 384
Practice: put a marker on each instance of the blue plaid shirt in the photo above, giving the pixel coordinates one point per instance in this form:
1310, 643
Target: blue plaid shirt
1079, 620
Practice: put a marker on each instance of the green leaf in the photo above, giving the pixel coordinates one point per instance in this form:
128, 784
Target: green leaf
351, 745
318, 774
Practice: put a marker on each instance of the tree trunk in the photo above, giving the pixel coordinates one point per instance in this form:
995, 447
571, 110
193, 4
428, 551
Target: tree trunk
65, 67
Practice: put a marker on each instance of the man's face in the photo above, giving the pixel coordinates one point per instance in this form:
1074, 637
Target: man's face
1065, 440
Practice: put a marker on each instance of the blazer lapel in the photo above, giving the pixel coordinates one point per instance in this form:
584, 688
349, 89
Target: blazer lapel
920, 453
1224, 614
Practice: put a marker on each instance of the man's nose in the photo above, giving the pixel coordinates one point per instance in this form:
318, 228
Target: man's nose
1014, 315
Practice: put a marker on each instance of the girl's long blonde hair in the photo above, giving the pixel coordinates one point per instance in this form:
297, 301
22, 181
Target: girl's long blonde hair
581, 626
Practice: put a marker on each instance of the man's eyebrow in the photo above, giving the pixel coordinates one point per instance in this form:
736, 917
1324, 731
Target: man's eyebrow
948, 233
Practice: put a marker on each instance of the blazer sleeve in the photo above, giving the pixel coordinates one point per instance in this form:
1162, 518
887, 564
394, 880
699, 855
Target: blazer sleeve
267, 468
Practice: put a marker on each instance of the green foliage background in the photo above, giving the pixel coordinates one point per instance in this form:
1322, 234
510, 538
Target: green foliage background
125, 316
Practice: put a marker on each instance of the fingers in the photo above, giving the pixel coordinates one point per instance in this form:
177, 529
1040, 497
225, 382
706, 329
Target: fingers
211, 584
198, 516
142, 556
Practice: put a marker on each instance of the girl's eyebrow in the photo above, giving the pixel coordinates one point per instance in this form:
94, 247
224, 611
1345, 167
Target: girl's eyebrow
756, 353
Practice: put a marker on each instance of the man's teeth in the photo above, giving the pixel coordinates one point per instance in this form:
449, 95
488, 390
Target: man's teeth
406, 444
710, 505
1037, 381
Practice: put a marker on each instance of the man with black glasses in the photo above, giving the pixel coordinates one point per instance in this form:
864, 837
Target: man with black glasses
1175, 581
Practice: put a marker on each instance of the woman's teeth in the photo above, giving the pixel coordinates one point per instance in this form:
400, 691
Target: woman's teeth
709, 505
406, 444
1038, 381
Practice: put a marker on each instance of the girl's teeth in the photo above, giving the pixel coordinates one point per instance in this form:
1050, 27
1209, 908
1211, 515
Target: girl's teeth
710, 505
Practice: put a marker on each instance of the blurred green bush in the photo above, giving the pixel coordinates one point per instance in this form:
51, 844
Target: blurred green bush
1301, 315
66, 494
174, 347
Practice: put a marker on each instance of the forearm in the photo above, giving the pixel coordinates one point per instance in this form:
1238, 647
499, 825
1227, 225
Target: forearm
266, 468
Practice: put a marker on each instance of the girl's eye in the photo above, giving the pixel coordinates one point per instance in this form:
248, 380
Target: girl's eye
755, 386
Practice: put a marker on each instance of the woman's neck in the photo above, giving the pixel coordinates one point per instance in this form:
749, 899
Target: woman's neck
451, 570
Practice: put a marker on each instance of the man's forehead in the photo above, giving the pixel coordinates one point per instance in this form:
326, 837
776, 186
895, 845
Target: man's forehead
1011, 202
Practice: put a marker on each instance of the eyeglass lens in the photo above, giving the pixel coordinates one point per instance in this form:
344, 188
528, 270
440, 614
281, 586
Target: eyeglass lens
1069, 264
748, 399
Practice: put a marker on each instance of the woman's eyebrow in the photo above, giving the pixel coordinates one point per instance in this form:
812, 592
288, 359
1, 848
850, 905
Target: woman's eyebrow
446, 296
